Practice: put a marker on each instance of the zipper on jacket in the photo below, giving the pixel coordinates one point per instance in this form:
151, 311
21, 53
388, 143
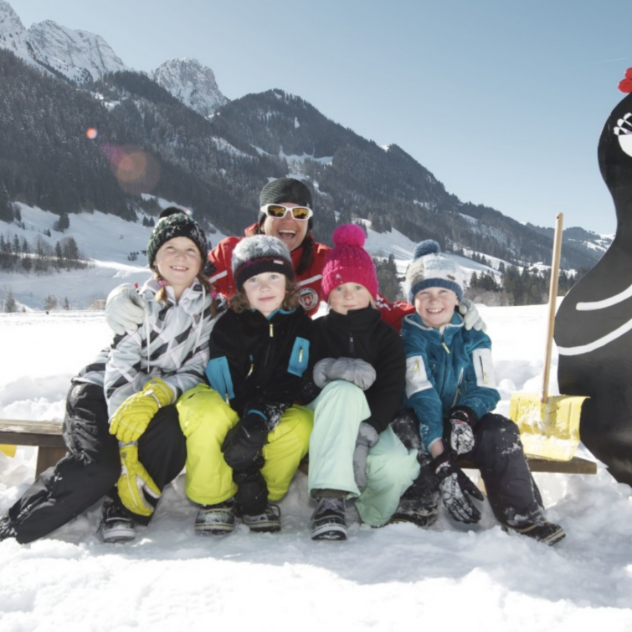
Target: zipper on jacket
482, 370
271, 330
444, 345
457, 393
351, 345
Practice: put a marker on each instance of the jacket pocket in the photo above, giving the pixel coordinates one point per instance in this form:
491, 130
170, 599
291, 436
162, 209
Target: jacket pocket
218, 375
416, 376
484, 368
299, 357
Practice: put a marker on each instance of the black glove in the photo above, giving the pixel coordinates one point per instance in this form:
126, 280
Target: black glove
454, 486
244, 442
462, 422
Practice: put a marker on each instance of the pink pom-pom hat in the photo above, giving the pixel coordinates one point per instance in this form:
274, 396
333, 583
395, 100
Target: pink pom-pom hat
349, 262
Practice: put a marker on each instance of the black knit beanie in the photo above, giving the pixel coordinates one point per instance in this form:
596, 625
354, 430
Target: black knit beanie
260, 253
285, 190
174, 222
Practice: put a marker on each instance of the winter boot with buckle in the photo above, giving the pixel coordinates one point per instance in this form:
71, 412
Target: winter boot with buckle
420, 502
415, 510
268, 521
328, 520
218, 519
542, 531
116, 523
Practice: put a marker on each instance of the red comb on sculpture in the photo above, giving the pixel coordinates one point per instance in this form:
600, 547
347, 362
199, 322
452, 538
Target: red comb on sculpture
625, 85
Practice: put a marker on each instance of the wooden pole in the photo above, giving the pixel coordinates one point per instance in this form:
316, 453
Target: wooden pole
555, 273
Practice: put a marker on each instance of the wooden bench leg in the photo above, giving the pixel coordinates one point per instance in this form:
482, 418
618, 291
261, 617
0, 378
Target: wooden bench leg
46, 457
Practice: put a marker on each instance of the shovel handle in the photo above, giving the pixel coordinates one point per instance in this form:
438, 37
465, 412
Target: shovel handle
550, 327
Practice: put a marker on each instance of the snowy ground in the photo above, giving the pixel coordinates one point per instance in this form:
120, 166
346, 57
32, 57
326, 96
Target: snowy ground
395, 578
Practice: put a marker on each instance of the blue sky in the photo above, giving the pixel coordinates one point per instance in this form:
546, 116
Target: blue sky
502, 100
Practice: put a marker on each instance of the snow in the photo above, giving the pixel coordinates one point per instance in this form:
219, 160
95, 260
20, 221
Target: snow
380, 579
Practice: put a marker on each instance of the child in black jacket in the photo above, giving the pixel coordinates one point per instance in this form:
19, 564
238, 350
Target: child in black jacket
245, 434
353, 451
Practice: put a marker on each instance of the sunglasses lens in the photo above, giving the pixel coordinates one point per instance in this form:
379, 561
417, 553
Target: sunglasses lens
300, 212
276, 211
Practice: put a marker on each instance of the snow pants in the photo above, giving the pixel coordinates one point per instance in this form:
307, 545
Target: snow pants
338, 412
206, 419
91, 467
511, 490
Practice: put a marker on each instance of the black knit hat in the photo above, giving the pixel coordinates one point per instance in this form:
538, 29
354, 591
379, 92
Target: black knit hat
285, 190
174, 222
260, 253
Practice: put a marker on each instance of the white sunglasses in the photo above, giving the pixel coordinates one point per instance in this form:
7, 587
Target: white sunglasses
277, 211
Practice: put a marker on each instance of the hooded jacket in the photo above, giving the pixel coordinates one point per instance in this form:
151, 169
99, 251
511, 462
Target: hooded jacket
446, 367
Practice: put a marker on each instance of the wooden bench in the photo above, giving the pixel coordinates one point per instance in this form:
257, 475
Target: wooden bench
46, 435
576, 465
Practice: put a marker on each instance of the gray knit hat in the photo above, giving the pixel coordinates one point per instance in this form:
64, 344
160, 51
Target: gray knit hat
431, 268
174, 222
260, 253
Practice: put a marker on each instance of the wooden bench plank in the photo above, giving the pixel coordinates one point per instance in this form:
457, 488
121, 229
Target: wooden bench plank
576, 465
46, 435
46, 427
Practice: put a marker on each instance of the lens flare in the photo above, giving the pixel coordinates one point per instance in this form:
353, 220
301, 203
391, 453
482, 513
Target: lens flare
136, 170
91, 133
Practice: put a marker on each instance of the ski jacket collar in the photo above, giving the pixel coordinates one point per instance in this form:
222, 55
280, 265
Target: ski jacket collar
444, 334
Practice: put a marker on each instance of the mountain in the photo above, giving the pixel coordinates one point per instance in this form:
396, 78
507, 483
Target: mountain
119, 137
76, 55
191, 83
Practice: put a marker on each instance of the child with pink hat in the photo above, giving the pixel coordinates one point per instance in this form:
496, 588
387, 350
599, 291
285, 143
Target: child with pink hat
353, 452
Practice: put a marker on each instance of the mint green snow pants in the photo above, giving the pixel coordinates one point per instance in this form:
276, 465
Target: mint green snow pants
391, 468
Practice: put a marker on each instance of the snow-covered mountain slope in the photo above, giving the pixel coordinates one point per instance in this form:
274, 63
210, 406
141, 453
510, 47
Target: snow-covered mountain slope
191, 83
77, 55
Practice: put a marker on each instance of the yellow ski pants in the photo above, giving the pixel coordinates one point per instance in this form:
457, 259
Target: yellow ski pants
206, 418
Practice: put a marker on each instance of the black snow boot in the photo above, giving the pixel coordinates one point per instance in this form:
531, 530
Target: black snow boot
420, 502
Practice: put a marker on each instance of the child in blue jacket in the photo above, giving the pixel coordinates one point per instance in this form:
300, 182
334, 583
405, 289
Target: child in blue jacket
450, 385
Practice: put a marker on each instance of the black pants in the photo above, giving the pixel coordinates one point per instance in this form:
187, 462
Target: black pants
92, 466
511, 490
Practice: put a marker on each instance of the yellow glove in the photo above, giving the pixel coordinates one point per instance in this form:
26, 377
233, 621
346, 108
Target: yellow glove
135, 483
134, 414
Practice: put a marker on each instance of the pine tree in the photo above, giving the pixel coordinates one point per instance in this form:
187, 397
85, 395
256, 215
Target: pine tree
50, 302
10, 305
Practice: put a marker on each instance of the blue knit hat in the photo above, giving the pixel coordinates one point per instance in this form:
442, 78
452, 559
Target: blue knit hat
431, 268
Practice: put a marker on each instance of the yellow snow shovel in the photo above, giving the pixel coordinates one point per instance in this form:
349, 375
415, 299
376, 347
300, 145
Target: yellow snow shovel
9, 450
549, 425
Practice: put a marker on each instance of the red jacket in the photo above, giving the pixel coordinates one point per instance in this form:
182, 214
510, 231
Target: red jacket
309, 282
